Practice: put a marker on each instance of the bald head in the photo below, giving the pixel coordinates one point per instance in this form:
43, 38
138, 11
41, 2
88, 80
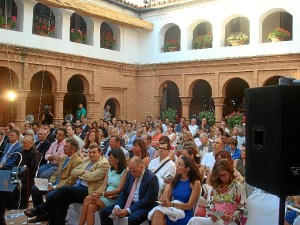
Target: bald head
136, 167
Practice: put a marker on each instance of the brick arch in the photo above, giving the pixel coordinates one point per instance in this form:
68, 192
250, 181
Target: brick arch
14, 76
115, 106
162, 85
83, 78
226, 82
192, 85
234, 97
48, 73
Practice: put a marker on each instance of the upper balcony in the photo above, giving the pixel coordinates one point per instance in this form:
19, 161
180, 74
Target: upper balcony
201, 35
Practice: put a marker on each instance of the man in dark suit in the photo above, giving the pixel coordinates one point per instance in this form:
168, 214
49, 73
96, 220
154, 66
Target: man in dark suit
42, 145
8, 159
2, 143
85, 126
79, 133
137, 197
50, 136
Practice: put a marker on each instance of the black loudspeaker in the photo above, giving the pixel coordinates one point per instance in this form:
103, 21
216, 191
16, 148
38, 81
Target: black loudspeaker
273, 139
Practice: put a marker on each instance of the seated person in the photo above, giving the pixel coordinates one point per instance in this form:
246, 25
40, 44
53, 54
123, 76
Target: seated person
137, 197
62, 177
185, 188
89, 176
53, 155
232, 149
107, 194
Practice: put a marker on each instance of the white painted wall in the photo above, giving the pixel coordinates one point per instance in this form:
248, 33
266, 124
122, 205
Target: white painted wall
144, 47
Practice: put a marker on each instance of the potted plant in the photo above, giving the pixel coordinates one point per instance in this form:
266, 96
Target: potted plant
76, 35
171, 45
43, 28
237, 39
209, 115
279, 34
9, 23
170, 113
107, 40
203, 41
235, 118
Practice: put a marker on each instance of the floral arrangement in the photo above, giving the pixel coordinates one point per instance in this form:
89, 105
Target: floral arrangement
235, 118
209, 115
203, 41
44, 26
10, 21
170, 113
77, 34
279, 33
237, 37
107, 40
170, 43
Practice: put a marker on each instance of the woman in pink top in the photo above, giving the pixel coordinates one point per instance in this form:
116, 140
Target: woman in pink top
157, 136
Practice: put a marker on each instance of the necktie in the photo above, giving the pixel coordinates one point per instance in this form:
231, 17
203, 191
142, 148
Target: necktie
6, 155
63, 166
78, 181
131, 194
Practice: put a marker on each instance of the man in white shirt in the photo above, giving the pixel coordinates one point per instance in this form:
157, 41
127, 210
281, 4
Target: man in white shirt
208, 161
71, 134
162, 166
193, 126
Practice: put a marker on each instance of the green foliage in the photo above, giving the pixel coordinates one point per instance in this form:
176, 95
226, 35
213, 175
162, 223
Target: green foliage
209, 115
235, 118
10, 21
279, 33
203, 41
170, 113
237, 37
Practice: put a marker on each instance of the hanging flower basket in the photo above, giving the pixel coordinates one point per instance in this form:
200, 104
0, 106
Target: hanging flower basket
173, 49
237, 39
279, 34
8, 23
77, 40
276, 39
41, 33
6, 26
236, 43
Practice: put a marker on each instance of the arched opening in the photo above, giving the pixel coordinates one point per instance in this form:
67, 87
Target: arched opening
202, 100
9, 12
202, 36
43, 21
234, 92
272, 81
40, 94
78, 32
172, 39
114, 107
109, 34
279, 19
170, 98
74, 95
8, 82
237, 32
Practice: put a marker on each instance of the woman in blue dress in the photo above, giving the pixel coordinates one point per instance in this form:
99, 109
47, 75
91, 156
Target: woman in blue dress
107, 193
185, 187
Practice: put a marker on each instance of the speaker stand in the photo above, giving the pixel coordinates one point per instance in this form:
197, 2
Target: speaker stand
281, 210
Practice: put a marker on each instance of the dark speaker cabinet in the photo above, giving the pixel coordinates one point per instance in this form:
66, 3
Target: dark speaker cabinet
273, 139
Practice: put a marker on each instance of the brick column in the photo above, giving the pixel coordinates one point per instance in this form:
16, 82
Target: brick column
157, 100
20, 104
185, 101
90, 105
219, 104
58, 106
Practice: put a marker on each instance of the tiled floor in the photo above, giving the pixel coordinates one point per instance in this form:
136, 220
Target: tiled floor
17, 217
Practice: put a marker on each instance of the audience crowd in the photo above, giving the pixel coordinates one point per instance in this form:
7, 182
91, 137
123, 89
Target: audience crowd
157, 171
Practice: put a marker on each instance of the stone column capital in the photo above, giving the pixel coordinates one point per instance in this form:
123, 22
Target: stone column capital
89, 97
218, 100
59, 94
185, 100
